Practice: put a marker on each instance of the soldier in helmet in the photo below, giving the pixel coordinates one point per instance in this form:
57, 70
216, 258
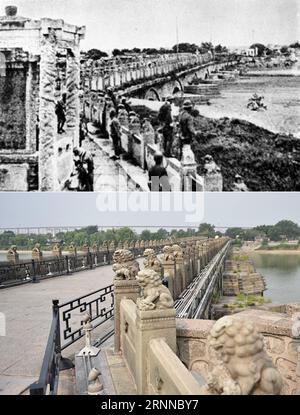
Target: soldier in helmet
186, 124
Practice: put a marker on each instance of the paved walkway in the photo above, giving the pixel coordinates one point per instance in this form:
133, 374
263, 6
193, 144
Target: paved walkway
28, 313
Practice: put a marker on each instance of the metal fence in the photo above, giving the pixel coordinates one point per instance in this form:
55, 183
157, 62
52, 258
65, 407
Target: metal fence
66, 329
34, 270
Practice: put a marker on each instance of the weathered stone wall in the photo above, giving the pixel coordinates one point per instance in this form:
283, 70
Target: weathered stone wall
12, 110
279, 343
241, 277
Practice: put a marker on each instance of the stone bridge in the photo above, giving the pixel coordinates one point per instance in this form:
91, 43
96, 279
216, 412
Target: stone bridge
39, 61
150, 78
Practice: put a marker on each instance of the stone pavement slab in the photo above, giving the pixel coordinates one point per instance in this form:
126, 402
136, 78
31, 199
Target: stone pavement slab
28, 313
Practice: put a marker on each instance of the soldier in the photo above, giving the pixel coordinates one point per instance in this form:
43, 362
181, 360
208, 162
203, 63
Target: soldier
60, 109
186, 124
158, 176
126, 104
165, 118
84, 170
115, 133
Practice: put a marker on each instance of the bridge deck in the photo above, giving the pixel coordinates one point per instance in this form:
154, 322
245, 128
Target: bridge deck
28, 314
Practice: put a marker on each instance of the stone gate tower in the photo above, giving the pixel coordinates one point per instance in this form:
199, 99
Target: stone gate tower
39, 59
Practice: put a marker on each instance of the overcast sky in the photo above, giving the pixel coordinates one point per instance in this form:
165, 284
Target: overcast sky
80, 209
145, 23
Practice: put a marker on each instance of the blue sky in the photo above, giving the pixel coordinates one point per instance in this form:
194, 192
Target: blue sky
80, 209
146, 23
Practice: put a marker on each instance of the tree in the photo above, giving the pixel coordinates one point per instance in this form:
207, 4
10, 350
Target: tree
234, 232
221, 49
206, 229
96, 54
295, 45
116, 52
146, 235
185, 48
288, 229
161, 234
260, 48
90, 229
206, 46
125, 233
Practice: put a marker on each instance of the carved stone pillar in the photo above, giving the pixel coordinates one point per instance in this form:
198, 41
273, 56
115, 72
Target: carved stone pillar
150, 325
47, 116
56, 250
168, 263
125, 286
72, 250
73, 103
189, 167
130, 290
37, 254
12, 255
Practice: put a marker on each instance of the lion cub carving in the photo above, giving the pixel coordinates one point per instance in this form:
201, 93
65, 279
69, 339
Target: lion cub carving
154, 294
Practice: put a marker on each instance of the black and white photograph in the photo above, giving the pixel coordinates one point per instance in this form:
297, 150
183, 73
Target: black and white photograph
149, 204
150, 95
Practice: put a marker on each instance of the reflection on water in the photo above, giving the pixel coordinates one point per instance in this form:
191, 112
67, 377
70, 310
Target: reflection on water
282, 275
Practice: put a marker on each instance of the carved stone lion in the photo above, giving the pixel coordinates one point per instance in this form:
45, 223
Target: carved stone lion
154, 294
210, 167
151, 261
125, 266
240, 364
177, 252
168, 253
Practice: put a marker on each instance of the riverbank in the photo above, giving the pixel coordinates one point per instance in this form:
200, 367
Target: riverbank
280, 89
267, 161
278, 251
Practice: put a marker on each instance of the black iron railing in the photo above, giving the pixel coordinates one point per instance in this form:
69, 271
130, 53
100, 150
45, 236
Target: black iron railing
66, 329
99, 304
34, 270
49, 374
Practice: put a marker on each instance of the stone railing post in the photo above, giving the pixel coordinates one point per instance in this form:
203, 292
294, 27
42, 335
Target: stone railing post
180, 281
125, 286
56, 250
213, 179
189, 167
12, 255
169, 269
37, 254
153, 320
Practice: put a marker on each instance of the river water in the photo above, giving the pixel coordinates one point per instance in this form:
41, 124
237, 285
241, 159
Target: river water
282, 275
281, 95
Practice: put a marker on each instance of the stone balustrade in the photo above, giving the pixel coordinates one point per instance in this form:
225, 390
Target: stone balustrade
147, 337
166, 356
100, 75
140, 144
